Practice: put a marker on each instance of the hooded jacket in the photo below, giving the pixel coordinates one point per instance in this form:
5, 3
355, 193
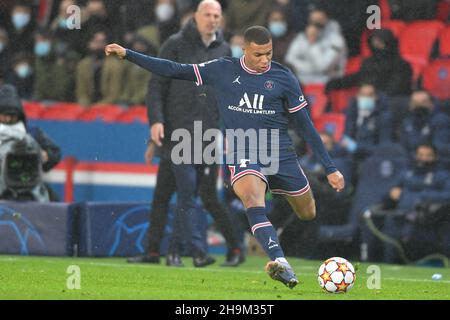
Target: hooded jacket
10, 103
178, 103
385, 68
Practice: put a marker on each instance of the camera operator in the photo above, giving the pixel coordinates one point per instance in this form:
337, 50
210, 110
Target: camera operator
29, 140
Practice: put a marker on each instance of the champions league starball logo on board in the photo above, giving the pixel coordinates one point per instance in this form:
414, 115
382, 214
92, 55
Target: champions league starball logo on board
131, 225
18, 230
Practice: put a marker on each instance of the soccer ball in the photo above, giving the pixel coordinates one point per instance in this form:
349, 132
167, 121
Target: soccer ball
336, 275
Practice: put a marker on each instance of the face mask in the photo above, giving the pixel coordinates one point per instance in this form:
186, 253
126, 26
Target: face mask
98, 54
424, 165
421, 112
20, 20
278, 28
23, 70
366, 103
318, 25
42, 48
236, 51
17, 130
2, 47
19, 126
62, 23
164, 12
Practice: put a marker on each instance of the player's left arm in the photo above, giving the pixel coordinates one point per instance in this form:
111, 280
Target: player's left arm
297, 109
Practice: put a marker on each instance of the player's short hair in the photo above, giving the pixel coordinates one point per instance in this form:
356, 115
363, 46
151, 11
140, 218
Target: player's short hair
257, 34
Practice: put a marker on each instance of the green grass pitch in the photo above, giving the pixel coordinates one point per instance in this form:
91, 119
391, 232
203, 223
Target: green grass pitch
112, 278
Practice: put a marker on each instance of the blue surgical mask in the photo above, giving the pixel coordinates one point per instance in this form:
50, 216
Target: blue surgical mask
42, 48
366, 103
278, 28
20, 20
236, 51
164, 12
23, 70
62, 23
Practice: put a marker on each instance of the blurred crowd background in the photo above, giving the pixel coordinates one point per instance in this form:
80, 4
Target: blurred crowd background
380, 99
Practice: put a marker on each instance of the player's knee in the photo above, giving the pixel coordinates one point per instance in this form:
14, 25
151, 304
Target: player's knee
252, 199
307, 212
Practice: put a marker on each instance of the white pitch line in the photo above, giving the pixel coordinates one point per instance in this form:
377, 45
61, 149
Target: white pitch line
237, 270
417, 280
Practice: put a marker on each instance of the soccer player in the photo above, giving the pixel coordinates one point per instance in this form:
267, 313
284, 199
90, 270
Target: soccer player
254, 93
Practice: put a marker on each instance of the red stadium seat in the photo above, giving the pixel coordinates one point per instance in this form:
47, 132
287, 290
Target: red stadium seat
386, 11
444, 42
315, 94
436, 78
443, 10
339, 99
353, 65
62, 111
333, 123
33, 109
107, 113
417, 40
394, 25
134, 114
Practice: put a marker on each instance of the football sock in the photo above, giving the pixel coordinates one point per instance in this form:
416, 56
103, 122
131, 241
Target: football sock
264, 232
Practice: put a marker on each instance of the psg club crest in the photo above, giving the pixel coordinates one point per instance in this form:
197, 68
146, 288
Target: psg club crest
269, 85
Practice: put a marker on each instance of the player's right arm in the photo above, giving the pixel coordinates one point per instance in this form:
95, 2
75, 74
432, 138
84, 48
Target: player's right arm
162, 67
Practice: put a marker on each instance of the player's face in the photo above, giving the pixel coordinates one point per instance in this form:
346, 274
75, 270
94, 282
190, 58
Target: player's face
258, 57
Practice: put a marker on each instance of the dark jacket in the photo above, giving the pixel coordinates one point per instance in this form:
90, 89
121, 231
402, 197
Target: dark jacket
10, 101
432, 128
423, 185
371, 132
384, 69
178, 103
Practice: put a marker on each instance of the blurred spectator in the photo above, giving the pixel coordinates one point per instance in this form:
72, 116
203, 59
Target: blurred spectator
351, 16
21, 74
318, 54
54, 79
366, 117
424, 122
282, 34
321, 19
242, 14
236, 45
421, 188
136, 79
385, 68
336, 151
21, 28
97, 19
98, 78
165, 23
409, 10
296, 12
64, 38
5, 54
12, 113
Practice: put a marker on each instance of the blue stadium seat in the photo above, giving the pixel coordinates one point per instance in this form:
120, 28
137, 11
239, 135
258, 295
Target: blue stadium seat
377, 174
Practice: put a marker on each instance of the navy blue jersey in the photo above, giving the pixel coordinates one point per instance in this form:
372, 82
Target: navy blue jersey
248, 99
252, 100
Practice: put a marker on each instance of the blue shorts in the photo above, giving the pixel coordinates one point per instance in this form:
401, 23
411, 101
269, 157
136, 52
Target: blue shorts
289, 180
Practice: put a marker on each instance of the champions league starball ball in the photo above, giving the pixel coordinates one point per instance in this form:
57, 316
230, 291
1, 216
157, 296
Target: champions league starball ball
336, 275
